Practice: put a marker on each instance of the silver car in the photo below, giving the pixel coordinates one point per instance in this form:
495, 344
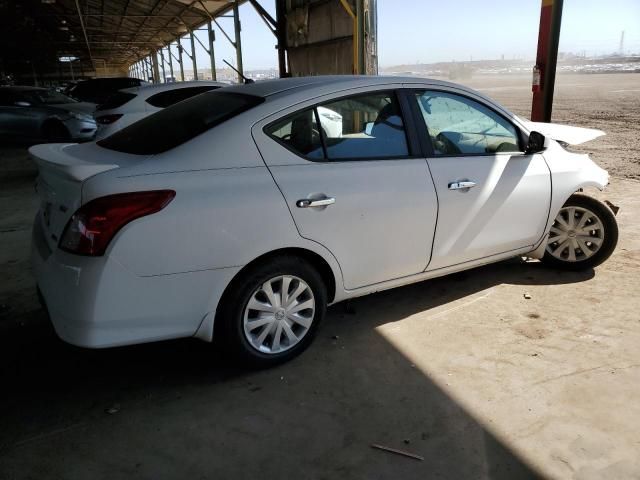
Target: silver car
37, 114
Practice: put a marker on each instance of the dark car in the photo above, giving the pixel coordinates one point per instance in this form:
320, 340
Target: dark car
30, 113
98, 90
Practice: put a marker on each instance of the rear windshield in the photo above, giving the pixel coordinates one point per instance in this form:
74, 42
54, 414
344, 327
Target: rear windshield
116, 100
170, 97
179, 123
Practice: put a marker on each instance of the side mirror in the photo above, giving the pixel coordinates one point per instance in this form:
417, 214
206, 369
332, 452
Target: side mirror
535, 143
22, 104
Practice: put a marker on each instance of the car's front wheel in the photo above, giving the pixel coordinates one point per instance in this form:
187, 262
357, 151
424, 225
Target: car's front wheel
583, 235
272, 311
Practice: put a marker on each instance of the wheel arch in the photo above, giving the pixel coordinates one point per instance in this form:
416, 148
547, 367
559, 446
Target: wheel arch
316, 260
558, 200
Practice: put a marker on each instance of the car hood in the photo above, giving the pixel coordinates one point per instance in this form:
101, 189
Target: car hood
564, 133
76, 107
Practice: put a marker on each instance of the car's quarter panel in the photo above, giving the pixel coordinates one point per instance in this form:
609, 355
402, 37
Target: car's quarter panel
218, 218
506, 210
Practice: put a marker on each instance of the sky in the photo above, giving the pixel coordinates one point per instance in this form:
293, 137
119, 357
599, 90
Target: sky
427, 31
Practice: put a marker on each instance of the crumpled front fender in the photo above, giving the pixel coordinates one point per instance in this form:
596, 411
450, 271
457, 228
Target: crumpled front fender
570, 172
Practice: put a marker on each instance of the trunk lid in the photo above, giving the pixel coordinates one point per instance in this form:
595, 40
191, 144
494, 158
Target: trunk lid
62, 169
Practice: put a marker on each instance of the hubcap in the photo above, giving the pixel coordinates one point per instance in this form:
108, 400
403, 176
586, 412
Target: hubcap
576, 234
279, 314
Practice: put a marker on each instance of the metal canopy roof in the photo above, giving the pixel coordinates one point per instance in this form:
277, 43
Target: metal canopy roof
105, 34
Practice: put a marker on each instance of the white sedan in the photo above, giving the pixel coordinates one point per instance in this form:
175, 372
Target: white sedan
233, 214
132, 104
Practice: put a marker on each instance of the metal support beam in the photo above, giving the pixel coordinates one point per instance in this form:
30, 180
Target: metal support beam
180, 61
360, 37
546, 60
154, 64
212, 57
213, 19
164, 73
193, 56
238, 43
352, 14
266, 18
84, 31
149, 69
281, 34
173, 78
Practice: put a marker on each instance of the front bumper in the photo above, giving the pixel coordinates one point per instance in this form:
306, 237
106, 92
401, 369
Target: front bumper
96, 302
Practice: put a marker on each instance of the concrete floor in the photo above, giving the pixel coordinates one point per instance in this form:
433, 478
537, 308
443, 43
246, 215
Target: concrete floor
462, 370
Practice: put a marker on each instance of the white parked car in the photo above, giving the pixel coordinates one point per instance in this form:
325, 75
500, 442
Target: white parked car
132, 104
232, 214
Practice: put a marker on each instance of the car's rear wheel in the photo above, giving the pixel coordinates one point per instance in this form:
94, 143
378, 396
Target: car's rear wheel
272, 311
55, 131
583, 235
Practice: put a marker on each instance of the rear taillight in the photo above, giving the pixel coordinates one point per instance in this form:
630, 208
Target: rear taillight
92, 227
108, 119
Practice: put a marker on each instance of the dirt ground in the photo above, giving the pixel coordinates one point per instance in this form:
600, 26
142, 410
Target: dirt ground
463, 370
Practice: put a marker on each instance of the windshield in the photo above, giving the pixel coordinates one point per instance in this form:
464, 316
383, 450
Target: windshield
179, 123
46, 97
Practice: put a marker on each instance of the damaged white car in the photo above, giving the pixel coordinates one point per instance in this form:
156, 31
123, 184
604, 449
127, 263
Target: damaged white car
238, 214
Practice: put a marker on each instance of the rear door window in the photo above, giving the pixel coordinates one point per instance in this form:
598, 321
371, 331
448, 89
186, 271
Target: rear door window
299, 133
179, 123
365, 126
361, 127
169, 97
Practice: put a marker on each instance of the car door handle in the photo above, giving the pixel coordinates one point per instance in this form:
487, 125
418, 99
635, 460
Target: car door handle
461, 185
308, 203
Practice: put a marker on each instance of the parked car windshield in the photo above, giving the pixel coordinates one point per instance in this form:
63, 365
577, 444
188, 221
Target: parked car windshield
179, 123
46, 97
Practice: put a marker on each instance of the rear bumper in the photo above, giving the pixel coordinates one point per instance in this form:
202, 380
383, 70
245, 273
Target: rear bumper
95, 302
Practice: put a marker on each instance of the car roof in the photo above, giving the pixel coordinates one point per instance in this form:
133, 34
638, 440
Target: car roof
279, 86
319, 85
159, 87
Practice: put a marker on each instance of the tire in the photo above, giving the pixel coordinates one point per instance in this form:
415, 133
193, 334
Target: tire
567, 238
235, 321
54, 131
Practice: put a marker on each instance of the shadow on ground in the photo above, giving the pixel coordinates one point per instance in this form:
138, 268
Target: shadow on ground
184, 412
